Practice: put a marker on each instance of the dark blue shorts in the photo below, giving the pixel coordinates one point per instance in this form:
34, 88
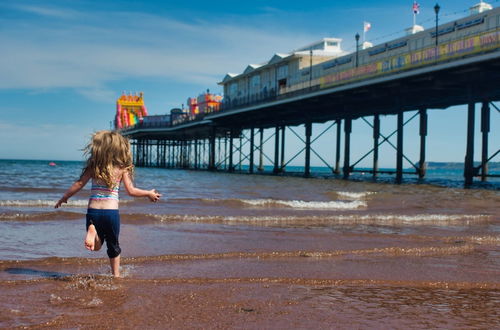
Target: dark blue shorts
107, 225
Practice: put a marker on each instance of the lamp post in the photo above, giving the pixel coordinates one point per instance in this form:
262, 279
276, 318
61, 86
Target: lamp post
357, 48
436, 10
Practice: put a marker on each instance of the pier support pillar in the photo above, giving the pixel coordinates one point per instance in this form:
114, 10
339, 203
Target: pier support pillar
347, 147
261, 150
182, 155
422, 167
240, 137
161, 161
376, 136
137, 152
485, 129
469, 154
172, 149
282, 163
399, 151
167, 153
196, 156
231, 166
307, 167
171, 154
276, 168
211, 151
157, 164
187, 154
225, 157
174, 154
337, 142
146, 157
142, 154
252, 141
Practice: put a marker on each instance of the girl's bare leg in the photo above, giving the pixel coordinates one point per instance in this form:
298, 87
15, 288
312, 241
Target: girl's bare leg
115, 266
92, 241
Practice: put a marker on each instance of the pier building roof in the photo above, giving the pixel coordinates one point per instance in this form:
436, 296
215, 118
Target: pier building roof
323, 49
251, 68
325, 45
480, 7
229, 76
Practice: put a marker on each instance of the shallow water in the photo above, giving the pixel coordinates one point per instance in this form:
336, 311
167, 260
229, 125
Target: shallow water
250, 251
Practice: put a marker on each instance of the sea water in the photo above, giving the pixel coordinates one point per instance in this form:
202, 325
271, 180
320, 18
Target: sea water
299, 252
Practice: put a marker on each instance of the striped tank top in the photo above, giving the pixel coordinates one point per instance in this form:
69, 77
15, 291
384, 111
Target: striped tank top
102, 192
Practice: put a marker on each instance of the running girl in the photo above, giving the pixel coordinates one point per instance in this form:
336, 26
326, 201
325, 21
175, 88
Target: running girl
109, 163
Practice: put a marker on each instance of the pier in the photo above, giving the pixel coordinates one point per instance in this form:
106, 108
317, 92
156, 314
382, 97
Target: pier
370, 84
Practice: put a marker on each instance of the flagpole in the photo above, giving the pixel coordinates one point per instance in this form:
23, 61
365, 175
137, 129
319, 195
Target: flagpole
364, 31
416, 8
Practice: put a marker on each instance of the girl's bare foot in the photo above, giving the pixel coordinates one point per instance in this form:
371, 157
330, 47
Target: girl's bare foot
92, 241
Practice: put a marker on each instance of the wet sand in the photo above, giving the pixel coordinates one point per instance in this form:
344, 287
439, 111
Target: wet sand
90, 302
277, 278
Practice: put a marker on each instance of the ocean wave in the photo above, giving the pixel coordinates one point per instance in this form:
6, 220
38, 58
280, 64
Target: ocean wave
40, 202
295, 204
49, 203
354, 195
40, 216
368, 219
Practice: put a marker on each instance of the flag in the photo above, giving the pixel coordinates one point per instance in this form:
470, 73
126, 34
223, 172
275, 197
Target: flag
366, 26
416, 7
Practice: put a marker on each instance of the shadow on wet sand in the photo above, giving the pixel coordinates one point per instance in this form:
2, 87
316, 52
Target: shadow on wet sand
36, 273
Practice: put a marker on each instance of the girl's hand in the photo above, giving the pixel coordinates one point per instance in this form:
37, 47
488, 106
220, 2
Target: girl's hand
154, 196
60, 202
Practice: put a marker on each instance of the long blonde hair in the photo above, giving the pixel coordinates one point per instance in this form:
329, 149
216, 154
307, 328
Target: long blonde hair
107, 151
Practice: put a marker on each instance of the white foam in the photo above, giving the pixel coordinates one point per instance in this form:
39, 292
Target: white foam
354, 195
369, 219
314, 205
426, 217
95, 302
39, 202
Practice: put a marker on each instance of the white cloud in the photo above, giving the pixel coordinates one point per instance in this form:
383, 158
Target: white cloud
98, 94
46, 11
103, 47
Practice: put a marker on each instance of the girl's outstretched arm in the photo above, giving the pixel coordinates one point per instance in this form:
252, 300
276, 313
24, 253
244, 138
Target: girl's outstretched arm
152, 194
76, 187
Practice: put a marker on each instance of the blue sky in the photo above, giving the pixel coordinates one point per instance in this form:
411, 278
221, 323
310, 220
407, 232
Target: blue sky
64, 63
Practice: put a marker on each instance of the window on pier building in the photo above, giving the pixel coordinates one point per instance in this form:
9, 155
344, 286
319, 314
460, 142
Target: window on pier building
265, 79
233, 89
282, 71
492, 21
281, 84
255, 82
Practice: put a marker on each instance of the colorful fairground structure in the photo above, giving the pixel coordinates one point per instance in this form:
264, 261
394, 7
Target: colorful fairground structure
204, 103
130, 110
